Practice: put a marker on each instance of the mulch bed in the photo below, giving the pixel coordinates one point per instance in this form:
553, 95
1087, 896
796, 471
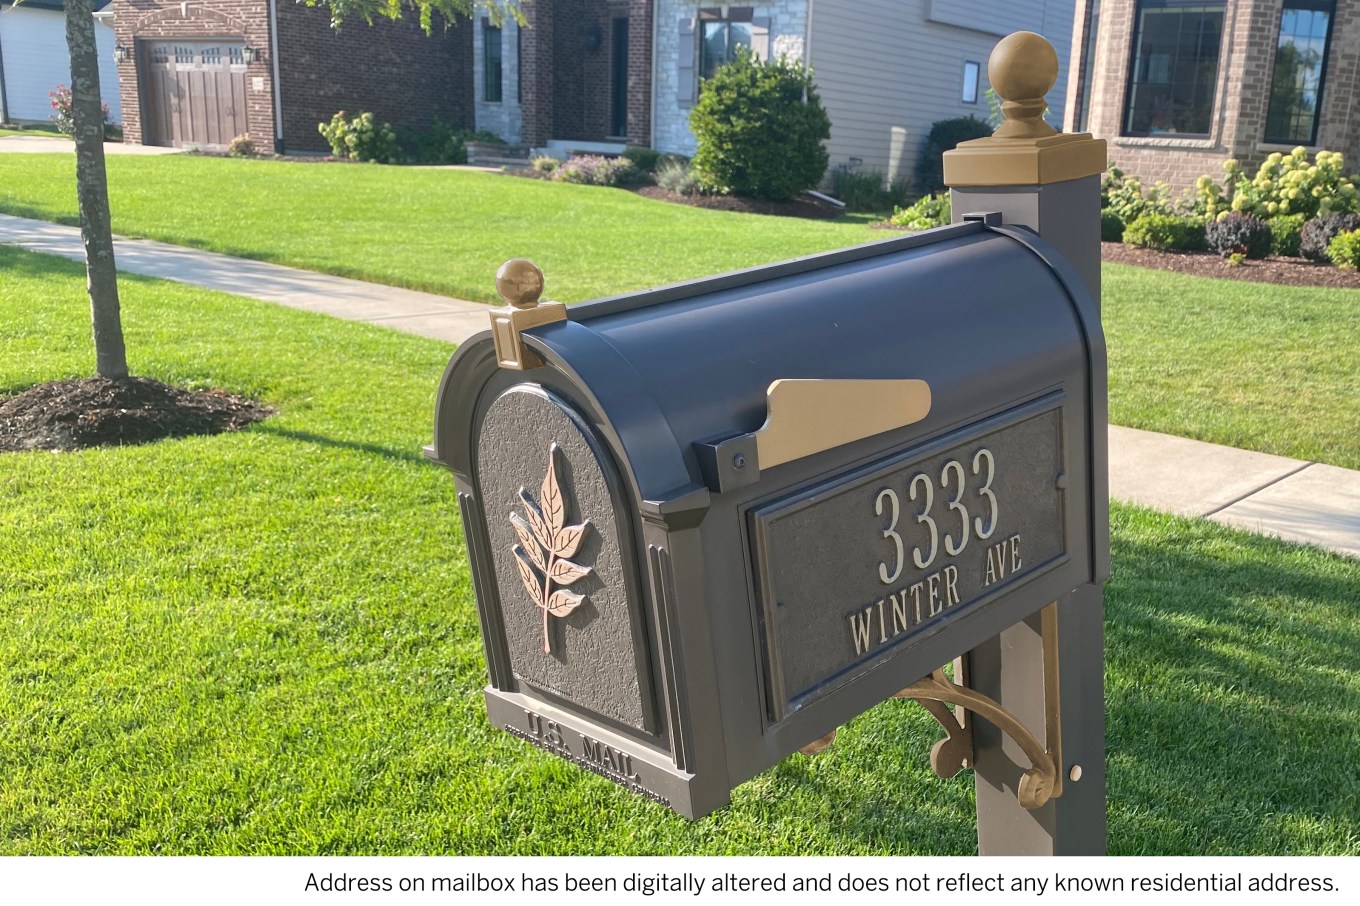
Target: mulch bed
798, 207
93, 412
1282, 271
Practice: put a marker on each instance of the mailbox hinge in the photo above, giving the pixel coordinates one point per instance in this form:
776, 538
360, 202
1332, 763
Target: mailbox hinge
1043, 781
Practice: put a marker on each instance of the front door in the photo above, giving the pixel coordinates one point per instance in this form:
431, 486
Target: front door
196, 93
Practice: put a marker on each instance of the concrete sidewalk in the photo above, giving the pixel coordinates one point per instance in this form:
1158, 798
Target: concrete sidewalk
1295, 500
49, 144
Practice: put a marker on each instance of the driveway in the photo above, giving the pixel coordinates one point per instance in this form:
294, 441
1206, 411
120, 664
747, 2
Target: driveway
46, 144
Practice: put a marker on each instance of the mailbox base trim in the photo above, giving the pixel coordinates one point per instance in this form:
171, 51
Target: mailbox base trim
625, 761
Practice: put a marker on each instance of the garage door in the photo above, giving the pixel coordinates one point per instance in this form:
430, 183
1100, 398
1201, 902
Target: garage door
196, 93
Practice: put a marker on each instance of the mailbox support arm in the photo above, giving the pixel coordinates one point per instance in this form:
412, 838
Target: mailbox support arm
1043, 781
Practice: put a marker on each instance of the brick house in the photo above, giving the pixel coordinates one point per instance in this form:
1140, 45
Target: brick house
201, 72
1176, 87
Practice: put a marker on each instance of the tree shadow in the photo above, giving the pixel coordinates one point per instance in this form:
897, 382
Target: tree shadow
410, 456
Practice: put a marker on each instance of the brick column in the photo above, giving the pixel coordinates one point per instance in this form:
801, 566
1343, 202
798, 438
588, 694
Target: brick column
640, 17
536, 74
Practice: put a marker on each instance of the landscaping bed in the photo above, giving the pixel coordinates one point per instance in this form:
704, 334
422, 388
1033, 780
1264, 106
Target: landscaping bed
1282, 271
796, 207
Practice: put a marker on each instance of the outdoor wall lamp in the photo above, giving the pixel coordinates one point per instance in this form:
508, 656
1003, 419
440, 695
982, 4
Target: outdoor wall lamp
121, 54
251, 54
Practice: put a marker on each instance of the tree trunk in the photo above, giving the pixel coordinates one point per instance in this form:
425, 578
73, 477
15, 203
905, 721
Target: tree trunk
92, 191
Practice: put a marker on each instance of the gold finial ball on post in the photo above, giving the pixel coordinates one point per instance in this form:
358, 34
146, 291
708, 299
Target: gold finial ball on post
519, 282
1023, 68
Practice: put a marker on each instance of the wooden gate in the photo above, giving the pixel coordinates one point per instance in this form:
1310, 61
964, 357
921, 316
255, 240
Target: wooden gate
196, 93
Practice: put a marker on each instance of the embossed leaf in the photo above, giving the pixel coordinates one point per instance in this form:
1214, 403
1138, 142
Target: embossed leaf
564, 602
564, 572
532, 584
528, 542
568, 539
550, 498
540, 528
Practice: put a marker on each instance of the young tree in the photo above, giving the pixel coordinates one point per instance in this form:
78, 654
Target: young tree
92, 191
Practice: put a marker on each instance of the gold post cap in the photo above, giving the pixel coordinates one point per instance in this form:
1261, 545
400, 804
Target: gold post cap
1024, 150
519, 282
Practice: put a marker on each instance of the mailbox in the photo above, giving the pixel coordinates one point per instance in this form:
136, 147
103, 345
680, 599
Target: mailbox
709, 523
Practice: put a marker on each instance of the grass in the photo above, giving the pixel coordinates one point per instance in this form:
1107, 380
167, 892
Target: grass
433, 230
43, 129
266, 642
1267, 368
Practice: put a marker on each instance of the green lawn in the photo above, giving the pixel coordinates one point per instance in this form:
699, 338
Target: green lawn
266, 642
436, 230
1264, 367
44, 130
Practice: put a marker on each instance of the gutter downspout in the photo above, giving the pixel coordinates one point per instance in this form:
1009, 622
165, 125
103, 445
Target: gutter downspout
656, 32
278, 87
4, 102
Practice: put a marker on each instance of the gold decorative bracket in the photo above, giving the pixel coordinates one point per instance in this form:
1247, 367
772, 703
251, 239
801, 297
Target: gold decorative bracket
1044, 780
520, 283
807, 416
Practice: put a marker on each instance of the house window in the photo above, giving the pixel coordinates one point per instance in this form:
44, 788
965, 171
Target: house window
491, 62
719, 37
970, 81
1174, 71
1300, 58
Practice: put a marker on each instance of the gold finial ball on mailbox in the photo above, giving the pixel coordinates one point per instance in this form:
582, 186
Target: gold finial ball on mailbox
1023, 68
519, 282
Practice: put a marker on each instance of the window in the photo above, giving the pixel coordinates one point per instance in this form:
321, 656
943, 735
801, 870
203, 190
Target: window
970, 81
1174, 70
491, 62
1300, 57
720, 37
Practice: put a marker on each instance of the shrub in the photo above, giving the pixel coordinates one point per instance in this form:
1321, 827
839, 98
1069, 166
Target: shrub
928, 211
864, 190
361, 138
241, 146
1236, 233
594, 170
1291, 184
61, 111
644, 159
1344, 250
760, 127
1123, 196
440, 144
944, 136
1165, 232
674, 175
1285, 232
1111, 227
545, 164
1318, 233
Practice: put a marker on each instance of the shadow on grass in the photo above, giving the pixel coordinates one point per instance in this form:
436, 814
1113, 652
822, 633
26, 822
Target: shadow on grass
1232, 697
413, 456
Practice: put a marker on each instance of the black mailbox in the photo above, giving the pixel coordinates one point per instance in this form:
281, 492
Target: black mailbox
710, 523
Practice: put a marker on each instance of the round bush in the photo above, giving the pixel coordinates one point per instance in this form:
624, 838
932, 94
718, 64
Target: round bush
1344, 250
1318, 233
944, 136
1235, 233
1165, 232
1285, 232
1111, 227
760, 127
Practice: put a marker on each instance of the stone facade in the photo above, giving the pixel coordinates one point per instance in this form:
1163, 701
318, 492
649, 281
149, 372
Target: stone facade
787, 24
390, 68
1245, 68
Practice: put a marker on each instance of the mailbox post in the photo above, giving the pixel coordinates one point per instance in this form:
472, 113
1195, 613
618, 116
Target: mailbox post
710, 523
1050, 182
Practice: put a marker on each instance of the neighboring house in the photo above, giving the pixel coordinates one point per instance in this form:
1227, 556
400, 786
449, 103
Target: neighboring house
34, 59
1177, 87
199, 73
602, 74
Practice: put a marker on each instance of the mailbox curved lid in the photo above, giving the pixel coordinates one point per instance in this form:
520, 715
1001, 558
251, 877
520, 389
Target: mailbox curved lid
982, 314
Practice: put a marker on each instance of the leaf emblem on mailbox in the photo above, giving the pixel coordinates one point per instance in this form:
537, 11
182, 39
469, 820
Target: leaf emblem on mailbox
545, 544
